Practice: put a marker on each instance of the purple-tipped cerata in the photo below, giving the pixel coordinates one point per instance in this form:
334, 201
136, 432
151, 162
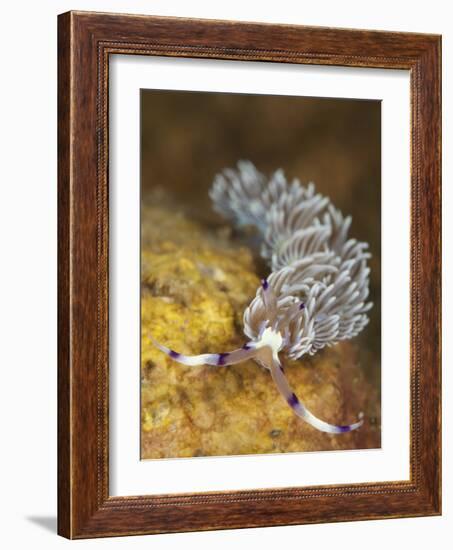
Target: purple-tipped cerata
316, 294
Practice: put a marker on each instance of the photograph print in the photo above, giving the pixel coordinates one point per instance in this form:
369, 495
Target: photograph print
260, 274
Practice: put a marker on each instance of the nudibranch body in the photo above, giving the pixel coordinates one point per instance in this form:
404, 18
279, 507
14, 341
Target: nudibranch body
316, 294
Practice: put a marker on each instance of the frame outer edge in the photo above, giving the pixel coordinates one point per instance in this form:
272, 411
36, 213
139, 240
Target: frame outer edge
431, 224
82, 511
439, 317
64, 527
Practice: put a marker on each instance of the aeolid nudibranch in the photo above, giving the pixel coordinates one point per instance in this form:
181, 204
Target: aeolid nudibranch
316, 294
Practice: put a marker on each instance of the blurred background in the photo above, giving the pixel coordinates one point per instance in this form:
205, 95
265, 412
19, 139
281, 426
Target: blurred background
187, 137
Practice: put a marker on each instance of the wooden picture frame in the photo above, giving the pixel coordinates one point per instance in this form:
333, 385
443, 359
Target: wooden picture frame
85, 42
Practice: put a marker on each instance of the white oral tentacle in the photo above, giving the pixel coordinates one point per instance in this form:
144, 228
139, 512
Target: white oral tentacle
248, 351
265, 352
300, 409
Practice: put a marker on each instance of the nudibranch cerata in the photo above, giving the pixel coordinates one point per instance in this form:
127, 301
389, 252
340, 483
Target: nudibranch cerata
316, 294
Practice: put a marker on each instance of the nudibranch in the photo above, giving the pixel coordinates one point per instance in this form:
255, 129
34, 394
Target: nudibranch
316, 294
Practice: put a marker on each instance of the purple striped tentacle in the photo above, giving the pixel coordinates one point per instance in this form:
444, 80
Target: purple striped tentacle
300, 409
216, 359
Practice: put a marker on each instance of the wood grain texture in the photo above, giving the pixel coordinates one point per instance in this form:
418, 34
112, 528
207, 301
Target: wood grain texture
64, 389
85, 42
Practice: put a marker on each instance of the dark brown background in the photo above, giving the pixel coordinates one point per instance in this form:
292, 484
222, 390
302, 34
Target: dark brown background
187, 137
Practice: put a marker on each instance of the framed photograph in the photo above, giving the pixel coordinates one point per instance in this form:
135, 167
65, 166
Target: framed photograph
249, 275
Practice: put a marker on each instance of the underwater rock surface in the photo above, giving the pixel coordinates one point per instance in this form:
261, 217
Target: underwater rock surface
196, 283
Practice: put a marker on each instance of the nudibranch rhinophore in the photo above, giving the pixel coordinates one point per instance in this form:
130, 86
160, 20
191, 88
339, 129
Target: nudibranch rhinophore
316, 294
